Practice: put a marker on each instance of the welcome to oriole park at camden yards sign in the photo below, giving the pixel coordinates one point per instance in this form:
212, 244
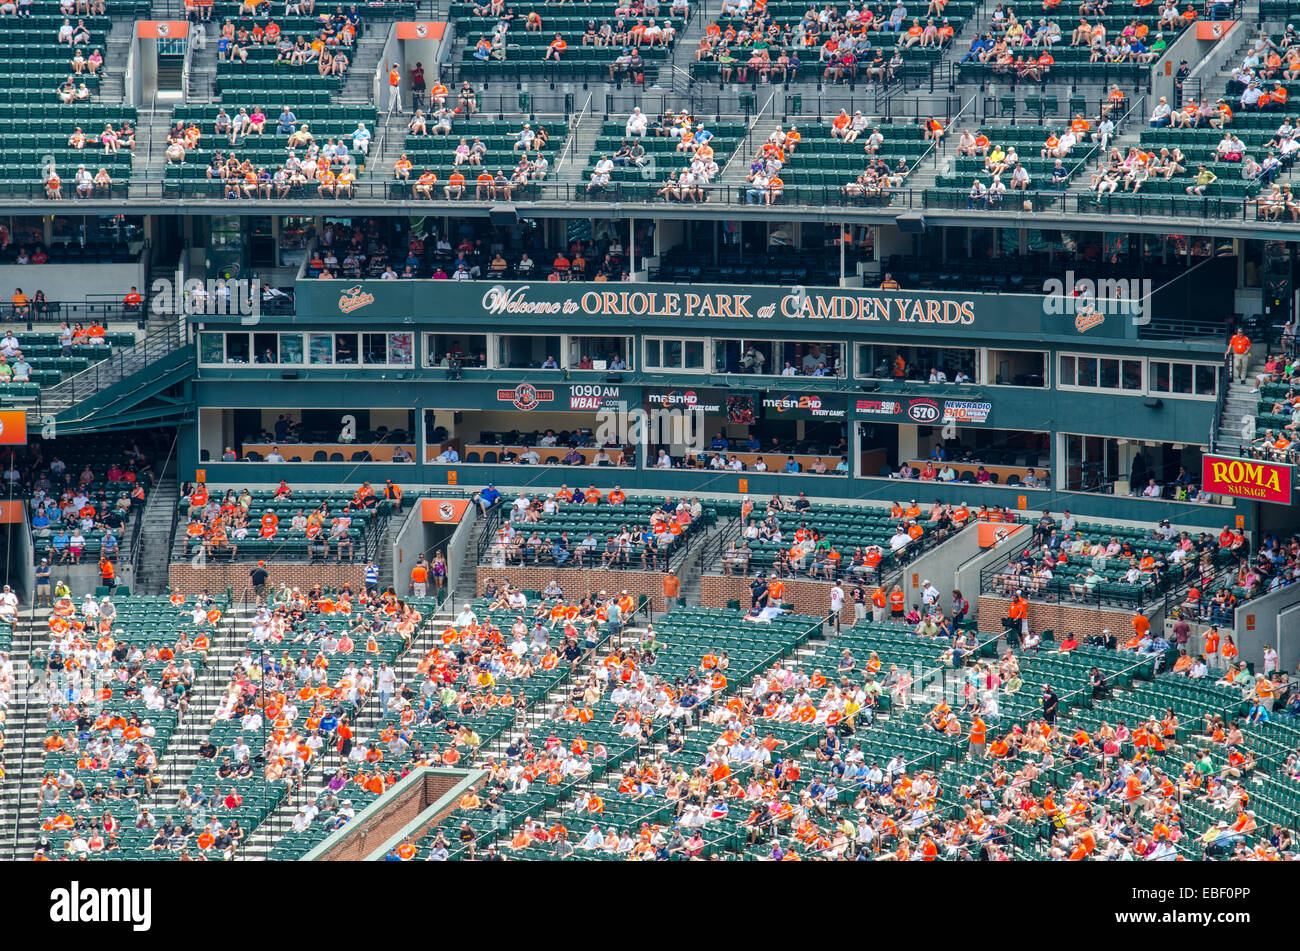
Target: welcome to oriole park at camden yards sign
1247, 478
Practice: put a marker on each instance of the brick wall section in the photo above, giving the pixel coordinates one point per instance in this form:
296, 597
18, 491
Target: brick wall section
577, 582
801, 596
217, 578
393, 816
1063, 618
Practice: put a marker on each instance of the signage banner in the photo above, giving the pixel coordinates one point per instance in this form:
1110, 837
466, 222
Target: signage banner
758, 309
593, 396
162, 29
879, 407
13, 427
443, 511
925, 411
1213, 29
685, 398
526, 397
994, 533
421, 30
785, 405
1247, 478
966, 411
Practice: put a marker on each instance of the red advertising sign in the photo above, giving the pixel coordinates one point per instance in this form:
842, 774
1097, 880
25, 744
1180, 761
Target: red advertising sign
1213, 29
421, 30
162, 29
1247, 478
13, 427
443, 511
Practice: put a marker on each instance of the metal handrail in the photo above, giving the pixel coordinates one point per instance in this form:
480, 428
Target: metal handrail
574, 124
143, 515
115, 368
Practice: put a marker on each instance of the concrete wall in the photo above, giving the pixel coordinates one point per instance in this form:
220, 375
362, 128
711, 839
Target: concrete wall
1061, 618
802, 595
417, 538
83, 579
940, 565
577, 582
1268, 620
71, 282
458, 547
407, 545
216, 579
418, 802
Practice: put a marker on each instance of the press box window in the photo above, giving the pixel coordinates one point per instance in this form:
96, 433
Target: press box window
1105, 373
602, 352
663, 353
386, 349
527, 352
1187, 379
470, 348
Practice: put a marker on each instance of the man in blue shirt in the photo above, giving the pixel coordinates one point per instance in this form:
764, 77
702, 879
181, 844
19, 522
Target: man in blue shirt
59, 545
792, 465
488, 497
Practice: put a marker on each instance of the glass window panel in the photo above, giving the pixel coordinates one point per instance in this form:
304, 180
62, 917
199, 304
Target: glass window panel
1131, 378
694, 355
1160, 376
1067, 371
1087, 371
291, 348
1206, 379
1182, 376
212, 348
1109, 376
237, 348
322, 348
345, 348
401, 349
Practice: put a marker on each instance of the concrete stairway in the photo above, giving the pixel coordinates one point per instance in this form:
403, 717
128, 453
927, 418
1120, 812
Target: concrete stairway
24, 735
148, 163
259, 845
1241, 405
203, 65
358, 81
156, 538
578, 150
178, 761
112, 87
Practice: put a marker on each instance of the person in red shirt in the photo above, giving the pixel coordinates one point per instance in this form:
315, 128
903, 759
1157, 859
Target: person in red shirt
1239, 347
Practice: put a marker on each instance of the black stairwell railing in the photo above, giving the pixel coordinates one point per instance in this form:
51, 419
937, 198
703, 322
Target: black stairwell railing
142, 513
122, 364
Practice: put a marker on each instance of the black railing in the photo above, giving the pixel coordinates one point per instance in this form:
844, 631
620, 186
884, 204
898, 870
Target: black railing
122, 364
94, 309
393, 194
488, 533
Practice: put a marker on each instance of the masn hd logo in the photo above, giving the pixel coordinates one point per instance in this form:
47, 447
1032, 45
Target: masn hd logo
77, 905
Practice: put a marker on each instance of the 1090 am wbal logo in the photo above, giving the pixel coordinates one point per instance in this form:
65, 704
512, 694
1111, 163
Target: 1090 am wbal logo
1091, 302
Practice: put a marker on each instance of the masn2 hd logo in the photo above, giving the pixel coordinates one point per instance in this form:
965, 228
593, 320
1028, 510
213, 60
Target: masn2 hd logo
77, 905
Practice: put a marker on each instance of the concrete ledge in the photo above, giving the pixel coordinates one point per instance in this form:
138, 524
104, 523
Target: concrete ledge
421, 799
